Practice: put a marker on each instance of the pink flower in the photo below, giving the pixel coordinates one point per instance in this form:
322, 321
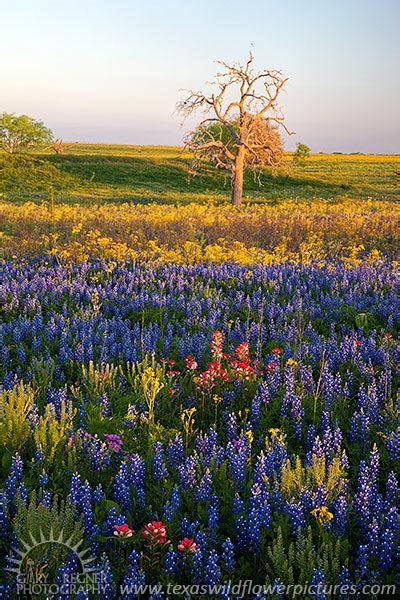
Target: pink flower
187, 545
155, 532
113, 441
123, 531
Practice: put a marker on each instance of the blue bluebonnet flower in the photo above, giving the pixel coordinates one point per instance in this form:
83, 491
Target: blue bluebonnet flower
98, 493
160, 470
4, 516
212, 568
14, 478
228, 555
204, 489
172, 506
318, 580
175, 451
362, 560
188, 472
171, 561
43, 478
80, 494
238, 453
213, 519
113, 518
197, 566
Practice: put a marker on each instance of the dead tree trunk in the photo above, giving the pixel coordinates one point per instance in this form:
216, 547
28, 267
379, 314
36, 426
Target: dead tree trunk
240, 128
237, 181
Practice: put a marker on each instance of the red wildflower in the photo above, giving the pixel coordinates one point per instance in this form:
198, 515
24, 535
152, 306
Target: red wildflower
187, 545
213, 375
242, 369
276, 350
242, 352
123, 530
271, 366
191, 362
357, 343
172, 373
155, 532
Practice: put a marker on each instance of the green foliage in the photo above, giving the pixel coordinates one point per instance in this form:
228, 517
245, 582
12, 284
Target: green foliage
302, 152
115, 173
19, 133
99, 379
42, 375
295, 562
15, 407
50, 432
39, 522
29, 174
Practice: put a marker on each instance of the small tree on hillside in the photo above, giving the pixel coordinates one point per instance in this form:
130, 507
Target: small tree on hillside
242, 129
302, 152
19, 133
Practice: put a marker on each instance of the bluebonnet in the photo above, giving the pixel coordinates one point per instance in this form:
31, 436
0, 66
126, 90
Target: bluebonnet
160, 470
318, 580
212, 568
204, 489
228, 555
238, 453
171, 561
14, 478
172, 506
80, 494
175, 451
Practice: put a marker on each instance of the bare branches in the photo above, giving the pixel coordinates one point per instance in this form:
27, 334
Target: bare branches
59, 146
242, 127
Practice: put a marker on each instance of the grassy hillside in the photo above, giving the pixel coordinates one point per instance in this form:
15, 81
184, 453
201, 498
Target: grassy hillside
154, 173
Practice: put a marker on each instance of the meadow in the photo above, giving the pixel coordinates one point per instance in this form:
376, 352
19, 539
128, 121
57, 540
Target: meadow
200, 394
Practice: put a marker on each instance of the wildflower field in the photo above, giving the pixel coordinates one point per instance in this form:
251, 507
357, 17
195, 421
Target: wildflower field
195, 395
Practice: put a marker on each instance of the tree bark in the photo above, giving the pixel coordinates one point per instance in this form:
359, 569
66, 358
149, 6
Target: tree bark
237, 181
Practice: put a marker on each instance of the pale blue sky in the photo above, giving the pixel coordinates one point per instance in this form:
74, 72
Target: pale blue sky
111, 71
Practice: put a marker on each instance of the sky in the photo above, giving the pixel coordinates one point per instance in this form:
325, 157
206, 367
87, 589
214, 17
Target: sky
113, 70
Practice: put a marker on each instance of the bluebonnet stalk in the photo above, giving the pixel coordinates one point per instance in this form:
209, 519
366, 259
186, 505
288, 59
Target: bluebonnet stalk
228, 555
160, 470
212, 569
172, 506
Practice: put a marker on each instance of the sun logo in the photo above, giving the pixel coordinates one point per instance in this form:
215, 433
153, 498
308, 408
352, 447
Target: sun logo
32, 571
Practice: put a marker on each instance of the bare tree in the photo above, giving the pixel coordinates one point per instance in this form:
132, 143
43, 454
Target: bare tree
59, 146
241, 124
